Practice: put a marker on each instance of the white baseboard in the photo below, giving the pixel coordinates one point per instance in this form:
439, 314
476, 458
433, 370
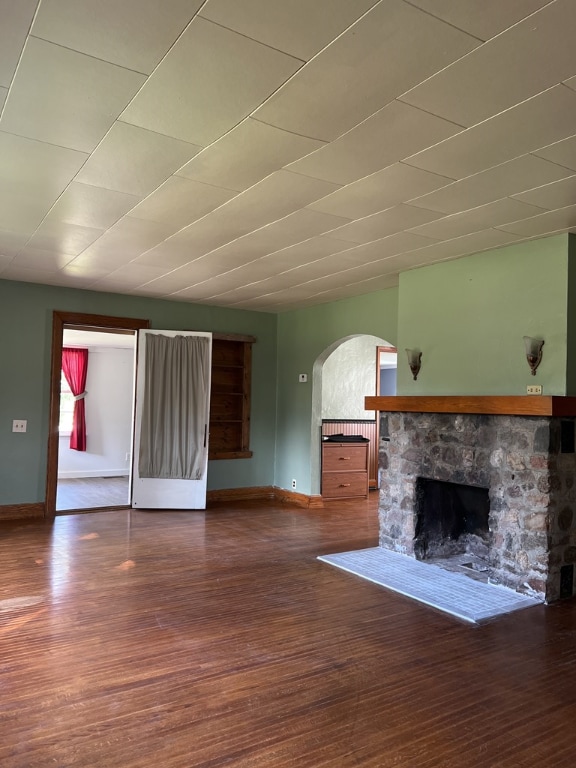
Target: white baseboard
67, 475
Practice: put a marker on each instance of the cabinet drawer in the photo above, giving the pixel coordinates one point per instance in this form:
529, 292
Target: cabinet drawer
342, 484
344, 458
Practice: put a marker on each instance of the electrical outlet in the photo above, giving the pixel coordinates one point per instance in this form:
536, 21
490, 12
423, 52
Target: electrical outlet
534, 389
293, 484
19, 425
302, 378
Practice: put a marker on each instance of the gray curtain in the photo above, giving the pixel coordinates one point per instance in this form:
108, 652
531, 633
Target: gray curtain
173, 436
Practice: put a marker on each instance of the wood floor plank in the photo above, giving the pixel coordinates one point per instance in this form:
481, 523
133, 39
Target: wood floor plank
131, 639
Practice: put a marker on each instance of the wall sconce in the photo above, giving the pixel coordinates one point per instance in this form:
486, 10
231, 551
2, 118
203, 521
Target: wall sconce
533, 352
414, 361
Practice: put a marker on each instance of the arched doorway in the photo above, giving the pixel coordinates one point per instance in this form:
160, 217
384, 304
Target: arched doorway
343, 374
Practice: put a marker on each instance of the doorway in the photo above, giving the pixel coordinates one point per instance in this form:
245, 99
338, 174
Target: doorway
98, 476
85, 323
343, 374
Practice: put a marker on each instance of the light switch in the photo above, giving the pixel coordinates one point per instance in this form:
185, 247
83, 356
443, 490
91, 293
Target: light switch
19, 425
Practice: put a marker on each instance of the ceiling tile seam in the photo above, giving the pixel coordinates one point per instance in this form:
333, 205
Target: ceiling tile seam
353, 245
88, 155
381, 109
363, 178
156, 133
448, 23
193, 181
263, 258
145, 74
448, 216
402, 162
286, 130
472, 252
482, 122
432, 114
166, 239
49, 143
539, 235
208, 146
339, 184
498, 228
538, 215
223, 205
174, 43
190, 263
87, 55
442, 21
228, 131
473, 51
49, 211
253, 40
534, 153
318, 53
515, 195
275, 90
220, 274
35, 232
321, 50
389, 208
275, 253
491, 168
314, 280
141, 199
27, 35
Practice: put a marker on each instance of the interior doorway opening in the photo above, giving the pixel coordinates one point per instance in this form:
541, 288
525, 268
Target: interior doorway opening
78, 321
100, 475
343, 374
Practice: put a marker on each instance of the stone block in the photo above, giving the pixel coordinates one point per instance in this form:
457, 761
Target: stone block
565, 518
539, 462
516, 461
570, 554
542, 439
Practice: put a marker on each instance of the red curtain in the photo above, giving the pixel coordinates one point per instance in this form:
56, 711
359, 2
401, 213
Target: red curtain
75, 368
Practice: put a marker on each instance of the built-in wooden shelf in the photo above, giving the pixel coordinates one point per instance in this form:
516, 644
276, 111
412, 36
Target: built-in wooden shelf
230, 396
523, 405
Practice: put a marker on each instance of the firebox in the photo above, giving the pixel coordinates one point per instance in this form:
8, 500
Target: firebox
451, 518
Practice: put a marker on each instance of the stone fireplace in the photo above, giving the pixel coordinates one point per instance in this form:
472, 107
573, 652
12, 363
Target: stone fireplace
523, 465
450, 518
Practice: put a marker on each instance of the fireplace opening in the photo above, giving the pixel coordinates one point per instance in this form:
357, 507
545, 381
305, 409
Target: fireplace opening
451, 519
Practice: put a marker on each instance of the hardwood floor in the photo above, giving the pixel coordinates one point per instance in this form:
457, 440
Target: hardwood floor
131, 639
90, 492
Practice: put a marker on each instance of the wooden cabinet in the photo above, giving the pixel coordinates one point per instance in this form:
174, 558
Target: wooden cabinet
230, 397
344, 469
361, 428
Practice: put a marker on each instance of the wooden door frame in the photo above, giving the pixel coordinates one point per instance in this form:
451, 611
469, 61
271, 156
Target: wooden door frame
378, 350
59, 320
377, 413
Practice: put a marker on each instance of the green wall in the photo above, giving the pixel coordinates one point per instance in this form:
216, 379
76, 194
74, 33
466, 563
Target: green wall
303, 335
571, 319
468, 318
25, 350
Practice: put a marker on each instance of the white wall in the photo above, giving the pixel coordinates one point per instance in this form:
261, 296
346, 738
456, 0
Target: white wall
348, 375
109, 385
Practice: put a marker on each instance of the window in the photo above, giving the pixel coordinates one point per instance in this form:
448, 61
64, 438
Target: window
66, 408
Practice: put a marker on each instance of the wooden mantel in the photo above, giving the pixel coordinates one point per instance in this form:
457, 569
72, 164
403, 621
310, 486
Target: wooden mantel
523, 405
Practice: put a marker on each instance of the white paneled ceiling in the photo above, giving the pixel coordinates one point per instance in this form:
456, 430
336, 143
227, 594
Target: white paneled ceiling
276, 154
